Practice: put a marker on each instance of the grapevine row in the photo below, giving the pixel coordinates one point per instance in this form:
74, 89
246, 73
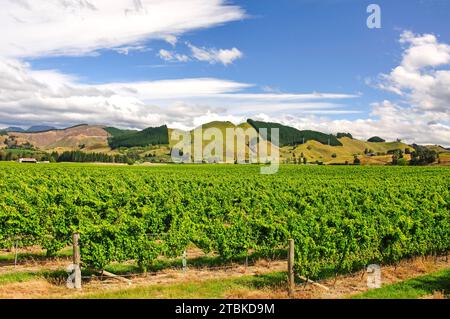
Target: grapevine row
341, 218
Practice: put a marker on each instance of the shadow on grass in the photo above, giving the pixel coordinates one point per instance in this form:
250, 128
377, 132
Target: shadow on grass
412, 288
57, 277
270, 280
432, 283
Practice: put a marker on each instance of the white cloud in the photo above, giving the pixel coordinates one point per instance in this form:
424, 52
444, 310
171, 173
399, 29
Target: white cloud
387, 120
77, 27
49, 97
171, 39
82, 27
34, 28
418, 78
41, 28
423, 51
211, 55
165, 55
422, 113
125, 50
422, 80
172, 56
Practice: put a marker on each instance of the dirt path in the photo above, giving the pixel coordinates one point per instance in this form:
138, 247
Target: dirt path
42, 288
347, 285
340, 287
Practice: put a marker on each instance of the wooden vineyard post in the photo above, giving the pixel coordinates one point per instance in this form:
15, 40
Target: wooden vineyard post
184, 261
246, 262
76, 261
291, 279
15, 252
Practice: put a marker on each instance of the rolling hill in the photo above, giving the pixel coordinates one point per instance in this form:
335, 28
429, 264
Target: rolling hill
155, 143
314, 151
222, 127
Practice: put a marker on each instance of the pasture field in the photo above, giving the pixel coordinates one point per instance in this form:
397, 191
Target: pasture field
341, 218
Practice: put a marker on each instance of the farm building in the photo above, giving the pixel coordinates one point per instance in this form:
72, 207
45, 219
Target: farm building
28, 160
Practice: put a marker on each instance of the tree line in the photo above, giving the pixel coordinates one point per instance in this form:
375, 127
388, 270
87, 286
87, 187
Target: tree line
68, 156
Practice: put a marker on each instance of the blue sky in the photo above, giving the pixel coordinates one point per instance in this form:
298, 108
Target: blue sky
285, 47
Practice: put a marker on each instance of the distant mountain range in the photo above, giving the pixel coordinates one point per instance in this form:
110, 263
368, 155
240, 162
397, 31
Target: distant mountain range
32, 129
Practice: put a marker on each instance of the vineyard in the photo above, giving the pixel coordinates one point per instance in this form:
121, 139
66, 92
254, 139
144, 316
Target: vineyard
341, 218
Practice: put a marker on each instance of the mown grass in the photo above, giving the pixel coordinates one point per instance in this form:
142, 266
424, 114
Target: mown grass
209, 289
18, 277
412, 288
57, 277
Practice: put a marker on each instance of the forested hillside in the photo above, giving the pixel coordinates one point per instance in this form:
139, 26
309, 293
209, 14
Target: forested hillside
292, 136
149, 136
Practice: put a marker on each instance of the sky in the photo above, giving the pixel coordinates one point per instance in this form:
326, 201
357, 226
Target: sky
305, 63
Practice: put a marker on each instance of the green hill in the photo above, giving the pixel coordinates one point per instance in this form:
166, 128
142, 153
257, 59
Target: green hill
368, 152
222, 126
292, 136
437, 148
148, 136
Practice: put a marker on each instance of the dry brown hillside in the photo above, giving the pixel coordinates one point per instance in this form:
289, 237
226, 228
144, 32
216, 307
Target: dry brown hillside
82, 136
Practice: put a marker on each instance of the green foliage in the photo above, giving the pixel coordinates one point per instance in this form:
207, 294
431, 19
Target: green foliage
422, 155
341, 218
113, 131
376, 139
341, 135
15, 154
291, 136
402, 162
82, 157
149, 136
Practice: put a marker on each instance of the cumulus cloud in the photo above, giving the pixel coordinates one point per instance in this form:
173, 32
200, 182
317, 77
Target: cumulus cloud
418, 78
172, 56
387, 120
211, 55
422, 80
420, 115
